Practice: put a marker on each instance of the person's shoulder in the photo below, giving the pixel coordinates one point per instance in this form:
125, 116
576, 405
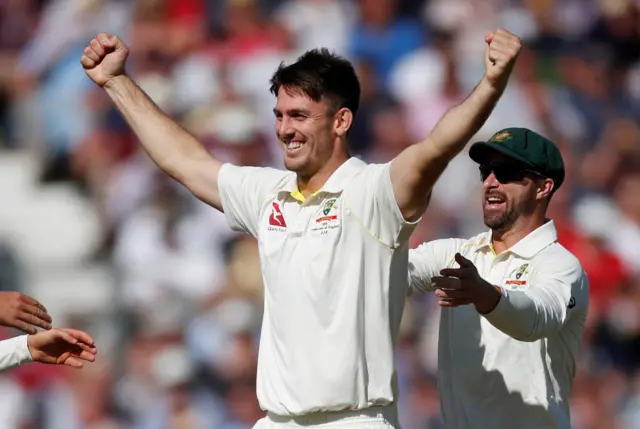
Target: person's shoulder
456, 244
361, 173
477, 239
270, 175
369, 169
558, 255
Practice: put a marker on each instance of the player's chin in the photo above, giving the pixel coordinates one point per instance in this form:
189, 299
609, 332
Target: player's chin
296, 163
494, 219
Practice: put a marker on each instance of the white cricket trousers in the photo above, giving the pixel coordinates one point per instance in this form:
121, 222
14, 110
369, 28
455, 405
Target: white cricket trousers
370, 418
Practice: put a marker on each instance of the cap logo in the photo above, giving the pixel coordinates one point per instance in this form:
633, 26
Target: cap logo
500, 137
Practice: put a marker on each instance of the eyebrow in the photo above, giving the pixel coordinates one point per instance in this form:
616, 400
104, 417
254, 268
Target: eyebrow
290, 112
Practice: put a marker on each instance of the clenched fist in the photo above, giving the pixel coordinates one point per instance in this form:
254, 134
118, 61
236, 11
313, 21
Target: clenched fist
502, 51
104, 58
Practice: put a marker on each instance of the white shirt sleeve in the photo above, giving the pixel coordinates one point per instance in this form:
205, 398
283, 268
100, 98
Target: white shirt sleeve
426, 261
373, 202
558, 292
14, 352
243, 191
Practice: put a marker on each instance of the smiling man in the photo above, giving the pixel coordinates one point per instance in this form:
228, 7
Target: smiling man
507, 360
332, 230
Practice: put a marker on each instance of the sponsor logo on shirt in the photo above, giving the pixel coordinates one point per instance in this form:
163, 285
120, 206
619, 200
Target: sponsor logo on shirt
276, 218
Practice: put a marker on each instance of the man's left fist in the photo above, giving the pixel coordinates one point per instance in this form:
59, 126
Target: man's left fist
502, 51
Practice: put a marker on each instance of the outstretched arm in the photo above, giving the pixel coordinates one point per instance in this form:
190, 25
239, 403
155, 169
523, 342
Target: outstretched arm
551, 295
56, 346
69, 347
417, 168
171, 147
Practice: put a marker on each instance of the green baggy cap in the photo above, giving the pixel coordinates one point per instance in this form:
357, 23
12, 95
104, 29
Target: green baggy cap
527, 147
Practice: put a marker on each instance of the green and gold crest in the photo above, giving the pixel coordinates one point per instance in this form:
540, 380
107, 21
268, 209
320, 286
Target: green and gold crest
328, 206
500, 137
522, 270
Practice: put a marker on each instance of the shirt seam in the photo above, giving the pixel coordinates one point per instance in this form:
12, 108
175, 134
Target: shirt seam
378, 239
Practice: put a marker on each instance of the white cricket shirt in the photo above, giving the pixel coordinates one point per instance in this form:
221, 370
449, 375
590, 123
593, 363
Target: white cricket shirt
331, 317
514, 367
14, 352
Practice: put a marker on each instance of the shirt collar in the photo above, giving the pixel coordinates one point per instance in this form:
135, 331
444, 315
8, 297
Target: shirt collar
530, 245
336, 182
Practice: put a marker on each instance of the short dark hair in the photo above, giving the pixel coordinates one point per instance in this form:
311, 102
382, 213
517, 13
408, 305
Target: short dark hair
320, 74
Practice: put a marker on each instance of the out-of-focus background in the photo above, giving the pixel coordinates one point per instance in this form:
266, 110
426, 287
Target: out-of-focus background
90, 227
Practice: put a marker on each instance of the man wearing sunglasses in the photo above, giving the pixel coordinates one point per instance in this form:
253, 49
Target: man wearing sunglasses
514, 300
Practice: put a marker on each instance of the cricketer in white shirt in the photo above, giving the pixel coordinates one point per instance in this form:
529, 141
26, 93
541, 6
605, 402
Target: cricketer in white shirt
331, 317
509, 359
332, 231
514, 366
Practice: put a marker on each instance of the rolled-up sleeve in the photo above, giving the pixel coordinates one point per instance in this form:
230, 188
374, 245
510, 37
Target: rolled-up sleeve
555, 287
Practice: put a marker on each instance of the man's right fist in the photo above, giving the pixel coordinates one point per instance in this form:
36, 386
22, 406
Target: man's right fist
104, 58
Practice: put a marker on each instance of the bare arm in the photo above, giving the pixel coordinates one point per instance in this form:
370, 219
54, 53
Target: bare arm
171, 147
416, 169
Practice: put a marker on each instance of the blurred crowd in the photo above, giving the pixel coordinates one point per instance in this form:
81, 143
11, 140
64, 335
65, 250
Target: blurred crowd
191, 290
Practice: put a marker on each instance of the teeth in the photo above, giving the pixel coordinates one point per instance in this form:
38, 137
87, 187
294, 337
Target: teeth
295, 145
494, 200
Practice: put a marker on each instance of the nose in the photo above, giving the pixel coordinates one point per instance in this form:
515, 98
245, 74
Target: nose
284, 128
490, 182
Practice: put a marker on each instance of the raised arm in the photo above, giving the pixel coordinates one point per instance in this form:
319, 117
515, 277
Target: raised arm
417, 168
171, 147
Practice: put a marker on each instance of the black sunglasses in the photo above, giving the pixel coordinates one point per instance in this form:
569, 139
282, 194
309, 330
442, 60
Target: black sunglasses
507, 173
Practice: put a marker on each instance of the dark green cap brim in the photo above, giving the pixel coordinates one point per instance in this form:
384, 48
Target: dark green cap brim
480, 150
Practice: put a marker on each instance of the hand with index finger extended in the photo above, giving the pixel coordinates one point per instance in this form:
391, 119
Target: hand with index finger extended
466, 270
481, 293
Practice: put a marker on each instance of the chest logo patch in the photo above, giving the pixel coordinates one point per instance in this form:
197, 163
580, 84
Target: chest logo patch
326, 218
329, 211
516, 276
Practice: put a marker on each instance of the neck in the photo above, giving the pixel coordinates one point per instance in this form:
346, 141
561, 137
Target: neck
504, 239
307, 185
